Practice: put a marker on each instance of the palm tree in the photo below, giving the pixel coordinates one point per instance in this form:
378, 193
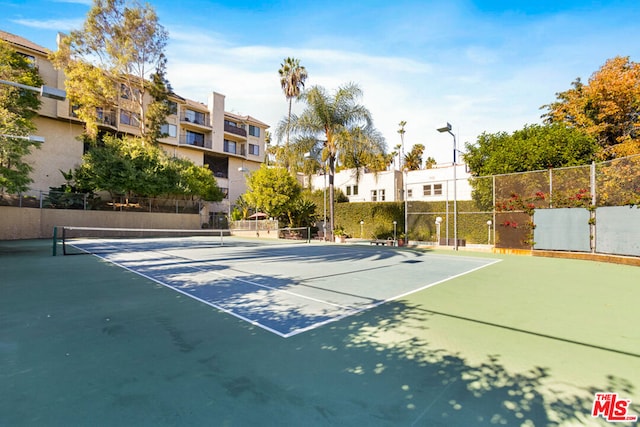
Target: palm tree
401, 131
331, 120
413, 159
429, 163
292, 77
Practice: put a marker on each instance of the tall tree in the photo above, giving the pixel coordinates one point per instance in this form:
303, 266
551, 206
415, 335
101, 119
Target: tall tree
18, 108
327, 119
606, 108
361, 148
429, 163
132, 167
274, 191
413, 159
292, 78
117, 61
535, 147
401, 131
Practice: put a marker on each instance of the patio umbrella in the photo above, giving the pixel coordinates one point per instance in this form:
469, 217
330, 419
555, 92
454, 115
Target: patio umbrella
259, 215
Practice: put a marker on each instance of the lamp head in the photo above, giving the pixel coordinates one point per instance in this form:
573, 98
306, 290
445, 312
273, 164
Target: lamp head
53, 93
446, 128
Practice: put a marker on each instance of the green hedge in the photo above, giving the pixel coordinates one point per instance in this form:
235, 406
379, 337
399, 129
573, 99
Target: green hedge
378, 220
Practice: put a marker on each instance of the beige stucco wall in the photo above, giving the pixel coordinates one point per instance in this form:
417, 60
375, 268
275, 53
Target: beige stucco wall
26, 223
61, 150
19, 223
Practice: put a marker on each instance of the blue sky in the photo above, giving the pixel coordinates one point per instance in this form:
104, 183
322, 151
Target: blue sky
483, 66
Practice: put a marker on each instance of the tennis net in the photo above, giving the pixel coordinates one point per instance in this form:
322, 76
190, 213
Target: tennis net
297, 234
96, 240
102, 240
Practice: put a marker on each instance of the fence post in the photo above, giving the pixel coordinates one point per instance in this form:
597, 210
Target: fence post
550, 187
493, 209
592, 211
55, 240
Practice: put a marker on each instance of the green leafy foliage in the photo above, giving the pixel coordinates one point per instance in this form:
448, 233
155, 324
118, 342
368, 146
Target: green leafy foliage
130, 166
274, 191
116, 61
535, 147
18, 108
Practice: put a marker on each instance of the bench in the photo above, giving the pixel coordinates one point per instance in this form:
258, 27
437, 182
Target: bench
383, 242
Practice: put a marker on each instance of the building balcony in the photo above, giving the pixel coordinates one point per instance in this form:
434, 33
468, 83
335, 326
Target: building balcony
199, 121
205, 143
235, 130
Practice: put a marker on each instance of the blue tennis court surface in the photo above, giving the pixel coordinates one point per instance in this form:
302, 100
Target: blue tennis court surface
285, 289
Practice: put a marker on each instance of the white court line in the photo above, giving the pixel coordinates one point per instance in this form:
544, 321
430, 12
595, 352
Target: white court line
350, 310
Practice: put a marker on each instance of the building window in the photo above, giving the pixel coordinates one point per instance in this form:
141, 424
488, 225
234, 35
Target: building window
194, 117
195, 138
254, 149
125, 92
169, 130
129, 118
230, 123
172, 107
218, 165
254, 131
352, 190
409, 193
377, 196
29, 58
230, 146
432, 190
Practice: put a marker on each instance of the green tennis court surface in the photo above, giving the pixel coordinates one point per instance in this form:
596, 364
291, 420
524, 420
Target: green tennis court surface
284, 288
524, 342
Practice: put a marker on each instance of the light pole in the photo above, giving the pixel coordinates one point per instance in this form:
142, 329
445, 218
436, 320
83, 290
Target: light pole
438, 222
44, 91
447, 129
489, 232
30, 138
401, 131
395, 223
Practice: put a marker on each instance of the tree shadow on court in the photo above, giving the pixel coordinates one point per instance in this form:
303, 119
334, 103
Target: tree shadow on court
414, 380
314, 253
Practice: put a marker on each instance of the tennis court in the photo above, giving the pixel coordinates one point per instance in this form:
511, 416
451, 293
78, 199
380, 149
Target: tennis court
286, 288
311, 334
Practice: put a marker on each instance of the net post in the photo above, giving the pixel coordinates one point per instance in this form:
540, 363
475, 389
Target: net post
55, 240
308, 234
64, 245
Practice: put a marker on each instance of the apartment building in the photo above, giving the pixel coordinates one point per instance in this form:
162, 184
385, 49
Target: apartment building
434, 184
231, 145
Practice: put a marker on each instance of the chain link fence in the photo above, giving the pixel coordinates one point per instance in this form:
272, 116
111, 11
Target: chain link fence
502, 206
79, 201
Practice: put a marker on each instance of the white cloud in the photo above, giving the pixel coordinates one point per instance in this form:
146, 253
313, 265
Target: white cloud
84, 2
47, 24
